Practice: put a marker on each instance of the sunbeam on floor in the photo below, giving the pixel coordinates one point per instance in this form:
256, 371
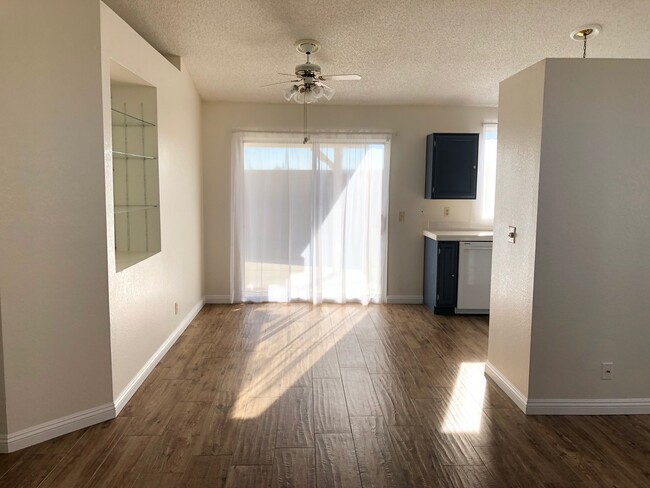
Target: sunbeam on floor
465, 407
286, 351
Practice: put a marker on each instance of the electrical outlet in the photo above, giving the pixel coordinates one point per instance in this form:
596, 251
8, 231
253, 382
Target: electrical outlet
400, 216
446, 211
607, 371
175, 308
512, 234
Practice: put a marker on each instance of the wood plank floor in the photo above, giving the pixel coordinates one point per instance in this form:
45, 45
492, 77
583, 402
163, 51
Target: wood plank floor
280, 395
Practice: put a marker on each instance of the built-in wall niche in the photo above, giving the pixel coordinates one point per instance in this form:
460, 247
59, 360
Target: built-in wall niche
136, 195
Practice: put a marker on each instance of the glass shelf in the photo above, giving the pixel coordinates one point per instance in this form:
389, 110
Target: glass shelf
123, 155
122, 119
121, 209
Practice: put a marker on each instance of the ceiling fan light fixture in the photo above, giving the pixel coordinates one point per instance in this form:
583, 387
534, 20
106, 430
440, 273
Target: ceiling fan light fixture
305, 95
328, 92
308, 86
290, 92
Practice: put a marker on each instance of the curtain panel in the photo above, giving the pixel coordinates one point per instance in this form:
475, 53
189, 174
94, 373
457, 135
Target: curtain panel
309, 221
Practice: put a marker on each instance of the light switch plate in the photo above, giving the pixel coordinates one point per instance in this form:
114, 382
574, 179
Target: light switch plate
512, 232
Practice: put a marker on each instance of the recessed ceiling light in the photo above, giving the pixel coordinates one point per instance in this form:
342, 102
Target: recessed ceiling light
586, 31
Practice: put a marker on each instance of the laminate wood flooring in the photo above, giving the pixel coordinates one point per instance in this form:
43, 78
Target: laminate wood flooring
296, 395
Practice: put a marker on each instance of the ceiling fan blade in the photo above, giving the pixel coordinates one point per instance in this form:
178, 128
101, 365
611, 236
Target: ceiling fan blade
340, 77
287, 74
280, 83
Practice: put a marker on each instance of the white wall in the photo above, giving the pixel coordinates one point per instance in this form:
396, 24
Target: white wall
53, 274
592, 268
587, 235
412, 124
518, 156
142, 297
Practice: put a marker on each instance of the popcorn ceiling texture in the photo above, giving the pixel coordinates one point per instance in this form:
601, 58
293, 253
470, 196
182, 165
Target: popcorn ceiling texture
431, 52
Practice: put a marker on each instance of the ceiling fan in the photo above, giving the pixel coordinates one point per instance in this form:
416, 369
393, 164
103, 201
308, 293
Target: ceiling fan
308, 84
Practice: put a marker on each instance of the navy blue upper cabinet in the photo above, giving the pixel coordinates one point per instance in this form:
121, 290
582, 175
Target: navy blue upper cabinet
452, 165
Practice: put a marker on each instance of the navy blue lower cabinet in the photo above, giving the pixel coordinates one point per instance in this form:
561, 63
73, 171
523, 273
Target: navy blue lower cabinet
440, 275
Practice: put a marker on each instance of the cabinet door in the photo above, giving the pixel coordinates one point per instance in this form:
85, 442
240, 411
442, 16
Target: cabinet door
452, 166
447, 288
430, 287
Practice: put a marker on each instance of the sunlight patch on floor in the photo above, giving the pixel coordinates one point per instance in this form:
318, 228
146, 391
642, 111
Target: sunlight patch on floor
283, 355
465, 407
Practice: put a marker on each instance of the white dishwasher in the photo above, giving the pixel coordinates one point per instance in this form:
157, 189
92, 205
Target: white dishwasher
474, 270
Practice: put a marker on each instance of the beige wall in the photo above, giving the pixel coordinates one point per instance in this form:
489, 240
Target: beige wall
518, 155
411, 125
592, 269
142, 297
573, 177
53, 279
74, 332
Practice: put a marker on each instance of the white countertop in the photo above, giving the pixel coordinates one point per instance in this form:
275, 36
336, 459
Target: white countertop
459, 235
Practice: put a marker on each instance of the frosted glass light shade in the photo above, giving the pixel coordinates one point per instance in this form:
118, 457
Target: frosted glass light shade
290, 92
328, 92
308, 94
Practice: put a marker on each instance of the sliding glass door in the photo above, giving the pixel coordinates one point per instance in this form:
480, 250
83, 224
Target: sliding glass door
309, 220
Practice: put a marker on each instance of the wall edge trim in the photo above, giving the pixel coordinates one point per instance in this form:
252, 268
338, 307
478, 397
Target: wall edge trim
405, 299
508, 388
80, 420
217, 299
55, 428
589, 406
130, 389
568, 406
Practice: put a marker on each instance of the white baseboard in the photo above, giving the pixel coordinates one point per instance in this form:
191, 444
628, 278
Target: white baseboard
615, 406
126, 394
405, 299
218, 299
54, 428
508, 388
568, 406
64, 425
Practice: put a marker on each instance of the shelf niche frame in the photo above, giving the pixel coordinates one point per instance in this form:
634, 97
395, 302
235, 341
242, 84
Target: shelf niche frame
136, 188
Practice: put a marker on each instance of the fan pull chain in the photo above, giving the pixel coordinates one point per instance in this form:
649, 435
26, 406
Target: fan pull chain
584, 48
304, 116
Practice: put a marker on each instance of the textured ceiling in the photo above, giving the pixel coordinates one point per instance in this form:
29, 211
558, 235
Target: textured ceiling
433, 52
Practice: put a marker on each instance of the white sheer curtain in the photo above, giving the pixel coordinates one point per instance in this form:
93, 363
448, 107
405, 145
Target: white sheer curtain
309, 220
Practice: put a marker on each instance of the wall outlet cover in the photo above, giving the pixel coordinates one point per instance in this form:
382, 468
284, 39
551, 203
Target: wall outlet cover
607, 371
